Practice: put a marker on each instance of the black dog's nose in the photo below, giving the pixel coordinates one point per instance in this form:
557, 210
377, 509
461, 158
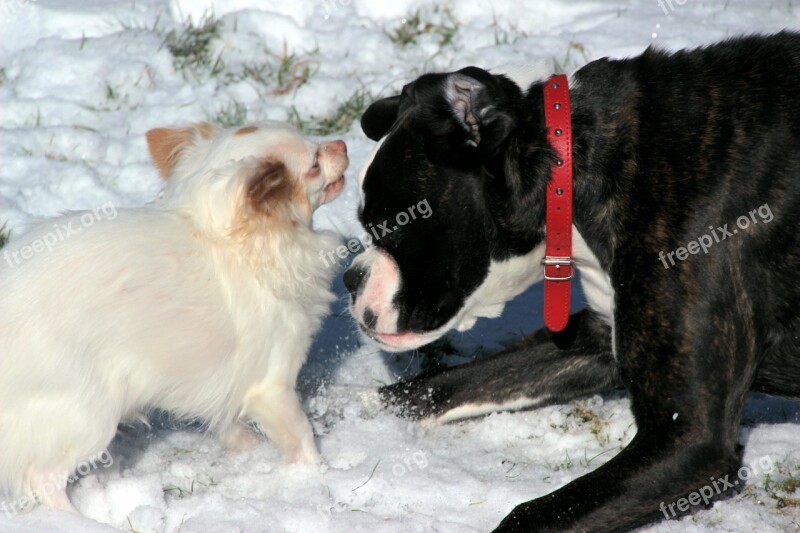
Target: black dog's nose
353, 278
370, 319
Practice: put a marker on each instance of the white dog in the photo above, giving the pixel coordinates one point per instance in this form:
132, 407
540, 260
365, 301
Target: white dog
203, 304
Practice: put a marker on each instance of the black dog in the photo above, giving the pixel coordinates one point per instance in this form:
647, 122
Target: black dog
686, 218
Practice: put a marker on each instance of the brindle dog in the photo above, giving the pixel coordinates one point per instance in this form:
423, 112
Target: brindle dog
686, 218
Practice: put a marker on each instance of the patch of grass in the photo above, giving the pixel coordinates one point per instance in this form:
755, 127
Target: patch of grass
790, 485
438, 21
514, 469
293, 72
596, 424
5, 234
510, 35
232, 115
131, 529
566, 464
182, 492
128, 25
192, 46
111, 93
585, 415
781, 491
338, 121
280, 74
272, 74
369, 478
576, 56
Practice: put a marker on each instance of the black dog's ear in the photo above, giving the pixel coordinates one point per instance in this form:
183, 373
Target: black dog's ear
379, 117
482, 105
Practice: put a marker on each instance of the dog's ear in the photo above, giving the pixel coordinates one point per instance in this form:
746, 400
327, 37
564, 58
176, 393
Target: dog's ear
269, 186
379, 117
167, 144
483, 105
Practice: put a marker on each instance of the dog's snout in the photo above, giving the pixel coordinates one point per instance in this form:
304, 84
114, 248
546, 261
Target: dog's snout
353, 279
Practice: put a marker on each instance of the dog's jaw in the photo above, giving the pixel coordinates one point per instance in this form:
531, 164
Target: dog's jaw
377, 314
325, 181
505, 280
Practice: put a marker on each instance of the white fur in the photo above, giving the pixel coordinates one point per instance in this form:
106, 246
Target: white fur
472, 410
197, 304
595, 282
525, 74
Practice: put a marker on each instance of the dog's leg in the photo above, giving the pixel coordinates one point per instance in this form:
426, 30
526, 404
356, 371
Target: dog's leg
548, 368
50, 490
544, 368
687, 386
276, 409
239, 437
778, 372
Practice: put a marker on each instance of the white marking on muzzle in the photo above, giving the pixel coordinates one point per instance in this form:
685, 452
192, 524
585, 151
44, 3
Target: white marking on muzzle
504, 281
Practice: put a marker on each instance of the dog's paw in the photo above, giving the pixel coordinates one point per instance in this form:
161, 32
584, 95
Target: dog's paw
51, 490
240, 437
413, 399
305, 454
524, 518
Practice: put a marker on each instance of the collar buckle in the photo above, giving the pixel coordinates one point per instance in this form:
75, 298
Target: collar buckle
558, 262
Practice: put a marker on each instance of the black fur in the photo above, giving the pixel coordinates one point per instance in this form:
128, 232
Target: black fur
665, 145
479, 214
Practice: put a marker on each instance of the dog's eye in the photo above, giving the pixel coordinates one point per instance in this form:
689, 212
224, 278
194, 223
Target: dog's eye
315, 168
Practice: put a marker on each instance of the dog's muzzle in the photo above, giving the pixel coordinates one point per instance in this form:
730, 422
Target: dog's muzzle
353, 279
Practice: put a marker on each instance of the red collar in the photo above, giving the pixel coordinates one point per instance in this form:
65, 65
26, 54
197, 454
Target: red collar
558, 266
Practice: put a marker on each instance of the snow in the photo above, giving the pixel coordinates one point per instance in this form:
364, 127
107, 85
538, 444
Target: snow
80, 83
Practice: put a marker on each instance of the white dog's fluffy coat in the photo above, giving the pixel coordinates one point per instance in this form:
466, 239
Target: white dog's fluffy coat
203, 304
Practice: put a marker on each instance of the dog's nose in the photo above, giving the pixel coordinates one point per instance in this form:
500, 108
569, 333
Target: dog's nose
336, 146
353, 278
370, 319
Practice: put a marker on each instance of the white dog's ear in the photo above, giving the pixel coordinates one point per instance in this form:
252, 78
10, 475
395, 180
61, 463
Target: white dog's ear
269, 186
167, 144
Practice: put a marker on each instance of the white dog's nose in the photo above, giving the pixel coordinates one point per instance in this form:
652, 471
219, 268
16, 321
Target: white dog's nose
335, 146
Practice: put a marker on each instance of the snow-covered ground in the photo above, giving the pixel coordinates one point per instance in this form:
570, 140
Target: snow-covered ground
80, 83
